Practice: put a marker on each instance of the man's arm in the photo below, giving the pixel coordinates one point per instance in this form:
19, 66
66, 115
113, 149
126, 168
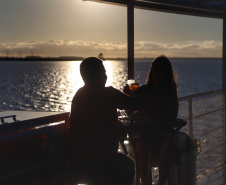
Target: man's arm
124, 101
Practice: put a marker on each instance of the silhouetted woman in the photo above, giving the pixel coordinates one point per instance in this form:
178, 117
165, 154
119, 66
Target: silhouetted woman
160, 102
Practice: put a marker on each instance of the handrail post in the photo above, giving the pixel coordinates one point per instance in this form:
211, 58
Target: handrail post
190, 124
224, 94
130, 37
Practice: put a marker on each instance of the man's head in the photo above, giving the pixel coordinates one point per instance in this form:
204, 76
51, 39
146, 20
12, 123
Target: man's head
93, 72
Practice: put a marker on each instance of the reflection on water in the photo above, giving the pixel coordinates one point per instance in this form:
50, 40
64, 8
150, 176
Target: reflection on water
117, 73
48, 86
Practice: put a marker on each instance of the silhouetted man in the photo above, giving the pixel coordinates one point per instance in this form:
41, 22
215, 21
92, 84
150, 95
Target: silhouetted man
94, 128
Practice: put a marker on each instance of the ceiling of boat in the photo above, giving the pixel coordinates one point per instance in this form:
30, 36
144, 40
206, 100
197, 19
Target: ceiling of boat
205, 8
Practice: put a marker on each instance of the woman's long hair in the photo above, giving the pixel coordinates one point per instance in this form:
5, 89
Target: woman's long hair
162, 66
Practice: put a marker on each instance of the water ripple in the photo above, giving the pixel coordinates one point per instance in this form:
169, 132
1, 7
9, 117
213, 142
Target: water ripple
50, 86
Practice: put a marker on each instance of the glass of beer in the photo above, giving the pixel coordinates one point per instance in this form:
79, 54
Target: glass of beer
132, 85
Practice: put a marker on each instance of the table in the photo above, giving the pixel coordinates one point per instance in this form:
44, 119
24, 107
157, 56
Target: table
155, 128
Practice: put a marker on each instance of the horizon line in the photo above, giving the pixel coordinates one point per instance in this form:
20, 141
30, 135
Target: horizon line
62, 58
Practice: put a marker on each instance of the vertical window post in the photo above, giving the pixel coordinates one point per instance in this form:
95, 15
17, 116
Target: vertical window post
224, 92
130, 37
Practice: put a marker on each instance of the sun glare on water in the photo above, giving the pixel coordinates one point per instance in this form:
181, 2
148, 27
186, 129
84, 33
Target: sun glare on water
73, 81
74, 76
109, 72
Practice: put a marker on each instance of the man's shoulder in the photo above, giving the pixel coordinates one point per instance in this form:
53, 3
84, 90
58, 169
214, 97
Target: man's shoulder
79, 92
110, 89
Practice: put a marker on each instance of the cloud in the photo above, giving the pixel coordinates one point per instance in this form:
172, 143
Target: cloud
180, 46
208, 48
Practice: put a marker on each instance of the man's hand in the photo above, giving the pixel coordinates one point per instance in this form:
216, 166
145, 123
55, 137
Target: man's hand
127, 90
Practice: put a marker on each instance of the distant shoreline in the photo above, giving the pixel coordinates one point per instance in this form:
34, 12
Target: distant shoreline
37, 58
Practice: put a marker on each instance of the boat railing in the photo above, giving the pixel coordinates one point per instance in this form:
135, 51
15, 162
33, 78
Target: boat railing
28, 146
36, 122
205, 114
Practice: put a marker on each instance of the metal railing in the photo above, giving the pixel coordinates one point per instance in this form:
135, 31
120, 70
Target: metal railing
36, 122
190, 100
205, 114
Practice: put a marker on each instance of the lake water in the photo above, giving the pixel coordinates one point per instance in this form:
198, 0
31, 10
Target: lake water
50, 86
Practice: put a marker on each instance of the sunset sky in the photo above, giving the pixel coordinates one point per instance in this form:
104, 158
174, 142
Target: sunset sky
83, 28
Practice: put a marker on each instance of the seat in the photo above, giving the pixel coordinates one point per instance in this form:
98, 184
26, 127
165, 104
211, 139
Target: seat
152, 132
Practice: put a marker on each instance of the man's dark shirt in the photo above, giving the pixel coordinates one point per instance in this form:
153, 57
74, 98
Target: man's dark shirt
93, 122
